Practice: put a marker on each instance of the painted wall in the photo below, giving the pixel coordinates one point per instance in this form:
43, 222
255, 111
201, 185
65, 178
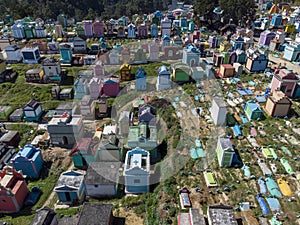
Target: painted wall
109, 155
98, 191
141, 84
111, 90
136, 184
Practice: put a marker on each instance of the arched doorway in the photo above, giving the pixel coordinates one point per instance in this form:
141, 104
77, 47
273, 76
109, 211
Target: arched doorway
192, 62
65, 140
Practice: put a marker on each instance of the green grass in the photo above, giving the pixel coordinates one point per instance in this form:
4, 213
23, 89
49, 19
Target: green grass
17, 219
297, 2
68, 212
18, 93
26, 214
27, 132
22, 128
73, 71
22, 219
151, 68
46, 185
53, 201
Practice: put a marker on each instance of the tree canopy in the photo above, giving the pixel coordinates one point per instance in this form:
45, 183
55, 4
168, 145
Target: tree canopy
80, 9
238, 10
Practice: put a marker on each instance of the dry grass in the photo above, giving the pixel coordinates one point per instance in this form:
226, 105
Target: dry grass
131, 217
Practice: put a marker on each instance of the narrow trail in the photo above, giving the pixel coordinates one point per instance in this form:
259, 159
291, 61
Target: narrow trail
51, 196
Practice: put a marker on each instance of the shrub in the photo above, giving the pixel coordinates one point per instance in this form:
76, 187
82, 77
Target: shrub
172, 211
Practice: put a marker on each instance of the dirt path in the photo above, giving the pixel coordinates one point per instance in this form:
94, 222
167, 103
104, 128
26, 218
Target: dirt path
283, 62
49, 199
131, 217
35, 125
51, 196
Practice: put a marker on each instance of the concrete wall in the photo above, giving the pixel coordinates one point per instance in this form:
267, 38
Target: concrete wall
100, 190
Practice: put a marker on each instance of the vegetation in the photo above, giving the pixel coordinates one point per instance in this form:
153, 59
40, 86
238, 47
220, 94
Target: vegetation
82, 9
68, 212
241, 12
27, 132
18, 93
19, 218
46, 183
150, 69
237, 10
204, 8
161, 205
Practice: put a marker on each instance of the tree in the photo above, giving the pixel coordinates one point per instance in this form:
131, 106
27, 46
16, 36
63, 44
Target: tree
239, 11
204, 8
79, 9
91, 14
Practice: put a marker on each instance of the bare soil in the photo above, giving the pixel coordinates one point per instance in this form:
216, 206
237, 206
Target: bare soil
131, 217
59, 157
